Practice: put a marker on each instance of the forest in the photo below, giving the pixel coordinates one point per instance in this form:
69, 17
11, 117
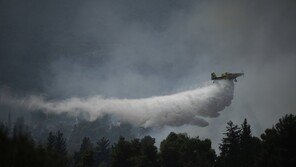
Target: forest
276, 147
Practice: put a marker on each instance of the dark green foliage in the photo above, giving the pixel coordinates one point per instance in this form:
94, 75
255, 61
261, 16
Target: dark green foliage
102, 152
5, 145
56, 149
230, 147
250, 146
60, 144
238, 148
84, 158
121, 153
279, 146
50, 142
134, 153
20, 149
180, 150
148, 152
169, 149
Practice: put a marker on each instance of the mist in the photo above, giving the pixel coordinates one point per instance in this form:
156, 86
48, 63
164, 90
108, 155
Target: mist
173, 110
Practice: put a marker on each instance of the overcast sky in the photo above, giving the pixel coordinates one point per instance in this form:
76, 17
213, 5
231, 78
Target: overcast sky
143, 48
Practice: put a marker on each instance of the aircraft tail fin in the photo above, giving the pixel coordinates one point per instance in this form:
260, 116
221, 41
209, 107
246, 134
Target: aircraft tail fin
213, 76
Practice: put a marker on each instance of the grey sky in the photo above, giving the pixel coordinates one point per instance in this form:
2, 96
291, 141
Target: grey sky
143, 48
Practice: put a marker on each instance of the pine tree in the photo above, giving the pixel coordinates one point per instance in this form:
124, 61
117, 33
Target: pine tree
170, 149
57, 149
121, 153
5, 145
102, 152
279, 143
229, 147
84, 158
249, 146
149, 152
60, 144
50, 142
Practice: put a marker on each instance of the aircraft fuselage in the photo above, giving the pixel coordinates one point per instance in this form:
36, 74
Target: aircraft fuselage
226, 76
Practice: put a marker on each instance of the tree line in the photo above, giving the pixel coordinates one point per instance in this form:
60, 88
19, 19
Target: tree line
239, 148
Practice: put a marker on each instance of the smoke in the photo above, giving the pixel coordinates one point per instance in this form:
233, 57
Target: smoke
174, 110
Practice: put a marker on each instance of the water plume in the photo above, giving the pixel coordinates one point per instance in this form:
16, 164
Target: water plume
189, 107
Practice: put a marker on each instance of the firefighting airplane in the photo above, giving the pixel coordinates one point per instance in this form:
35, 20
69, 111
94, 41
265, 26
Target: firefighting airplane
226, 76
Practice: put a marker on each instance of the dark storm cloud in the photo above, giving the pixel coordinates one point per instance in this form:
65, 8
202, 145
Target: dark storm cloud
141, 48
38, 36
27, 32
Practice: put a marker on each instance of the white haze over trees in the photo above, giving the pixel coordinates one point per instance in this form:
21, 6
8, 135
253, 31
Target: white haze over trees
173, 110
